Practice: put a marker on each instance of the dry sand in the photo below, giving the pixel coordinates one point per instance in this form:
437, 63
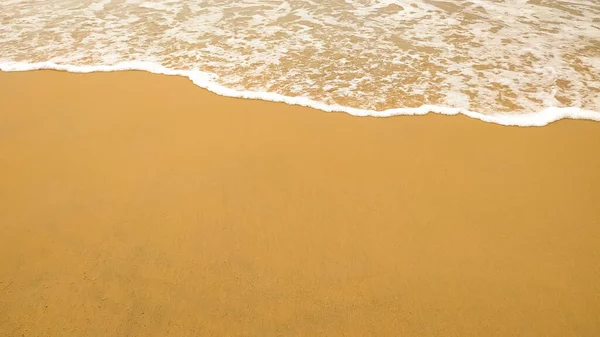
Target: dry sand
134, 204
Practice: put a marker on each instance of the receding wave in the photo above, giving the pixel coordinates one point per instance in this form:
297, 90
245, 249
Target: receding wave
510, 62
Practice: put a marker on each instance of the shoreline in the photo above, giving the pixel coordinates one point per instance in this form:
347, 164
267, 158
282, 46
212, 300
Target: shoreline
207, 81
134, 204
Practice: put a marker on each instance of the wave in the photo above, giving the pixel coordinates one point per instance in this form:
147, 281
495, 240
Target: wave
208, 81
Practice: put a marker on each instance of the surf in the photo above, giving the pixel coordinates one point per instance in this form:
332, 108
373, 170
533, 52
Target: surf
207, 81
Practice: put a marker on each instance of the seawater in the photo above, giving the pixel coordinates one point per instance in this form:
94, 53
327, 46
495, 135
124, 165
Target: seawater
512, 62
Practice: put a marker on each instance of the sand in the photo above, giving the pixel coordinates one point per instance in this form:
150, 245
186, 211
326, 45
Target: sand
134, 204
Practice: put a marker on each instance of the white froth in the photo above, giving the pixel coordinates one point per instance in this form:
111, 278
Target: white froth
207, 81
511, 62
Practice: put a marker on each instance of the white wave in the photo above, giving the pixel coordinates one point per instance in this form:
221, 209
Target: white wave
510, 56
207, 81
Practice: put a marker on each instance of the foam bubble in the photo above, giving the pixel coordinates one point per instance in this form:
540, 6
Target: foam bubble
374, 57
207, 81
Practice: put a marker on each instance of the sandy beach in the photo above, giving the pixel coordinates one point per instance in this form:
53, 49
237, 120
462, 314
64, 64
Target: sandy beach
134, 204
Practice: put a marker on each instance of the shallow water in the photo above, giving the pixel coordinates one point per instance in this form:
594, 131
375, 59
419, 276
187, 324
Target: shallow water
481, 57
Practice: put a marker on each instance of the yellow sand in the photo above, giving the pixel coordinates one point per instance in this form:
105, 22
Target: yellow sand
134, 204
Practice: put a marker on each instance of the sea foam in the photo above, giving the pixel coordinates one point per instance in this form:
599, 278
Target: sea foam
511, 62
207, 81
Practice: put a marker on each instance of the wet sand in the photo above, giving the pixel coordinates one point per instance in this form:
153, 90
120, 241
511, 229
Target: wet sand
134, 204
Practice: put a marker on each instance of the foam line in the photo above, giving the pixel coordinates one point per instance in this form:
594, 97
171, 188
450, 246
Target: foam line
207, 81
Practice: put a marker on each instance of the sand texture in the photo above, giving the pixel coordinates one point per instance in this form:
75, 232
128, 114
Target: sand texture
134, 204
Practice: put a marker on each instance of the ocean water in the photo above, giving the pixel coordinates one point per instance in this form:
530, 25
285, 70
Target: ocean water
513, 62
